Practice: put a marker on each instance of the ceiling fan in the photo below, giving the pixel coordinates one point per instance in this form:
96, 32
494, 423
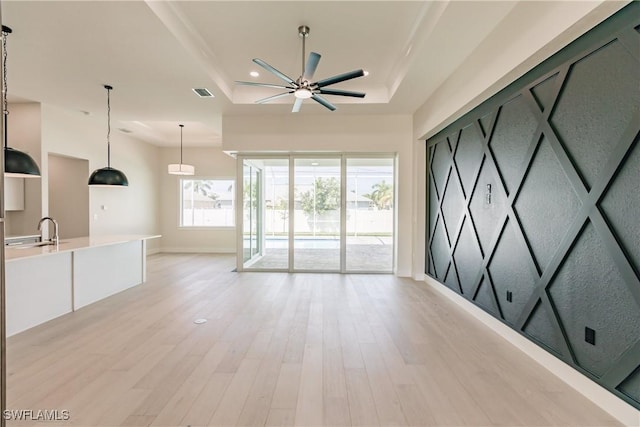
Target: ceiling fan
303, 88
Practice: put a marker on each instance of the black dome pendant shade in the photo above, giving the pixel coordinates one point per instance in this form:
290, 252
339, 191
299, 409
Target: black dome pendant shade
16, 163
108, 176
19, 164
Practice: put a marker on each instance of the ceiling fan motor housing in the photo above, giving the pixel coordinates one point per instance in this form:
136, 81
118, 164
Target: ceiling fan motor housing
303, 31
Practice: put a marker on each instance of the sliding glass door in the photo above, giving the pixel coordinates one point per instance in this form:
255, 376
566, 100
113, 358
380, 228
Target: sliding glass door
252, 235
266, 194
316, 238
370, 214
318, 213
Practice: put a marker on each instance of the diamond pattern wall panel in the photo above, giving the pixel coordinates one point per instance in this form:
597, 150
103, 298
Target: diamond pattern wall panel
440, 165
439, 250
546, 205
512, 270
485, 123
538, 189
515, 128
486, 299
452, 280
544, 92
468, 259
452, 207
594, 111
621, 210
541, 328
584, 290
468, 156
631, 386
487, 206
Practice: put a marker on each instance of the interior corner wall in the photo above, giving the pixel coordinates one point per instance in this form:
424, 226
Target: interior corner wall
337, 134
533, 202
68, 194
530, 33
24, 133
209, 163
127, 210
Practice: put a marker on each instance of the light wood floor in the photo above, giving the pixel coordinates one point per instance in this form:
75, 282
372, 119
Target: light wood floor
281, 349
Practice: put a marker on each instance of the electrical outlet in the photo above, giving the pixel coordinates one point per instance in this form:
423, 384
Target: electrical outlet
590, 335
509, 296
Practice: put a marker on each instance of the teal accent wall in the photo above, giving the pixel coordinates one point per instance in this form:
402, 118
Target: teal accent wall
534, 202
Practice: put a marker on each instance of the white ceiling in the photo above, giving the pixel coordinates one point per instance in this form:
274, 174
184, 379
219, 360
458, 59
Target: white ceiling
154, 52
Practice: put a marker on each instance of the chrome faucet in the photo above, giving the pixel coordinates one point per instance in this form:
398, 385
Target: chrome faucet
56, 237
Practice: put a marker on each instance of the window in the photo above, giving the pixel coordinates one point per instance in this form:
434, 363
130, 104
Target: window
207, 203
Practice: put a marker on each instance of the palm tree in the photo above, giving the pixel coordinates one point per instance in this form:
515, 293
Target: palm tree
199, 186
382, 195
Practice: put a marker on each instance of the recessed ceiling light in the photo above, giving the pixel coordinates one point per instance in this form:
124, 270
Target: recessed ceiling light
366, 73
254, 74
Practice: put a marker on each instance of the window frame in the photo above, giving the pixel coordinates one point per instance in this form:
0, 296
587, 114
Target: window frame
181, 180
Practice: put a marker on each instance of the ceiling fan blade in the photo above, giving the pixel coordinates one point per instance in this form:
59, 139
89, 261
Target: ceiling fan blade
271, 98
310, 67
297, 105
272, 70
342, 93
321, 100
339, 78
264, 85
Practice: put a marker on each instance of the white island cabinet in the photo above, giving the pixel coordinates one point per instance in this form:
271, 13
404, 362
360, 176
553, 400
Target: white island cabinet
43, 283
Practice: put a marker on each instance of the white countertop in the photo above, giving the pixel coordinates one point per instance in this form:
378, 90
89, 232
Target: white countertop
70, 245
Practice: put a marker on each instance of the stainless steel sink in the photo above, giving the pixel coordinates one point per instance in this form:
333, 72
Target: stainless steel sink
35, 245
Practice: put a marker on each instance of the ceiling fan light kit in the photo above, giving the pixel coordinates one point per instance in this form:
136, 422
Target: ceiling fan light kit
303, 88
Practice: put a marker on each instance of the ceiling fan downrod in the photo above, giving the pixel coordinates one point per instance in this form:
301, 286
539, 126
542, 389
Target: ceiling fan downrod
303, 31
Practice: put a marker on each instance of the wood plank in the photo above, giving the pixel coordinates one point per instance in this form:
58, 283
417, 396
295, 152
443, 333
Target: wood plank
281, 349
361, 403
235, 395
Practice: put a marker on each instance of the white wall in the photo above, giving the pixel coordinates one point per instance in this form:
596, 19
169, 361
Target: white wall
24, 134
128, 210
531, 32
209, 163
334, 133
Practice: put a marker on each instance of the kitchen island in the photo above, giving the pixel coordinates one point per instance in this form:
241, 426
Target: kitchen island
44, 282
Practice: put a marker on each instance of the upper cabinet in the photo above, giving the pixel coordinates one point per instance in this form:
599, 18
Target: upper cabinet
13, 194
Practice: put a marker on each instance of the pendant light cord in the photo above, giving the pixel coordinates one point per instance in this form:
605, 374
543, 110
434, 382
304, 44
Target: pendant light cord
5, 108
108, 88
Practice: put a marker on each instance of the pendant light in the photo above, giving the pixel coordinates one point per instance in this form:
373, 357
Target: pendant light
181, 168
108, 177
16, 163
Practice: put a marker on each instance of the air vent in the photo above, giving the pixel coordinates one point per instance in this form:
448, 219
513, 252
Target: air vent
203, 92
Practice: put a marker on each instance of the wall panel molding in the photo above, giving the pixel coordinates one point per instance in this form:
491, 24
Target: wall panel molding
533, 203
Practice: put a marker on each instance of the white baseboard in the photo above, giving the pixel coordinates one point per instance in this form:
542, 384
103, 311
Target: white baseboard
197, 250
618, 408
151, 251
